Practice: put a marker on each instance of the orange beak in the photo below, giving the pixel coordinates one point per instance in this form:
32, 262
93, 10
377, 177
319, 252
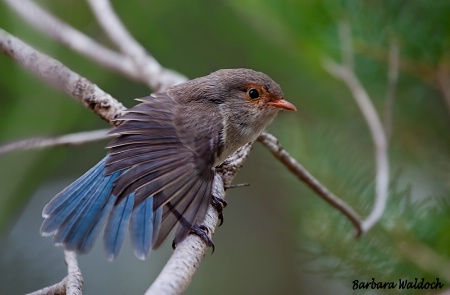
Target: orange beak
282, 104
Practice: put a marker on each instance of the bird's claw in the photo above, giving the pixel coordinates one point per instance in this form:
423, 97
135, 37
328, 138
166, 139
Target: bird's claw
219, 204
202, 232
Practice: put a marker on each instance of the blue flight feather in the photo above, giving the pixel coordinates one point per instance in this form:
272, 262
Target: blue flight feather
77, 215
141, 228
116, 225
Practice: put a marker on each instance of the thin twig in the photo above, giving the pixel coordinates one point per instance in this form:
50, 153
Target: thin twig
156, 77
56, 74
74, 39
347, 75
72, 284
56, 289
272, 144
393, 71
345, 35
44, 142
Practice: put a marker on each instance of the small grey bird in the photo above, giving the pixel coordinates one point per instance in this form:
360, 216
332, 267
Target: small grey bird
160, 166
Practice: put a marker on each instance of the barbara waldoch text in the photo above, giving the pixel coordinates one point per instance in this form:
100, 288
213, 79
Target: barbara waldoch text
400, 284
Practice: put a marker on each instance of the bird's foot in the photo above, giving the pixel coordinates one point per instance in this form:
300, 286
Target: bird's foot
219, 204
202, 232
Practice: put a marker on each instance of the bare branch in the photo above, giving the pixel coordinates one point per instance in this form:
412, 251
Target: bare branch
348, 77
44, 142
56, 74
157, 77
73, 39
56, 289
272, 144
345, 34
393, 70
72, 284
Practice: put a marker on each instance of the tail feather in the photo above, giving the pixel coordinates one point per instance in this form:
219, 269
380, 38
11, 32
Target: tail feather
90, 239
116, 226
67, 201
79, 185
141, 228
78, 227
76, 215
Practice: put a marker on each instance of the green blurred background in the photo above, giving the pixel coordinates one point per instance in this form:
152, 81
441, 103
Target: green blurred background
278, 236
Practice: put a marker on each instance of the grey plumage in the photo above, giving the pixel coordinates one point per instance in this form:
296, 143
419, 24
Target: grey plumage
160, 166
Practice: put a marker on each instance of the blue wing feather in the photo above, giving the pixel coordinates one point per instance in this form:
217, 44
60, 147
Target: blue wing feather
97, 203
117, 224
62, 206
141, 228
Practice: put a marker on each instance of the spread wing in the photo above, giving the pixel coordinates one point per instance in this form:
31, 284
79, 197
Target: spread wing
166, 154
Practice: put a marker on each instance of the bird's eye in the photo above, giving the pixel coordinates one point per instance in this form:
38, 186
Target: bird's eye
253, 93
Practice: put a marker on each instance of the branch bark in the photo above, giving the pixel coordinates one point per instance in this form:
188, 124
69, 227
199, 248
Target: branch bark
392, 81
72, 284
44, 142
156, 76
56, 74
74, 39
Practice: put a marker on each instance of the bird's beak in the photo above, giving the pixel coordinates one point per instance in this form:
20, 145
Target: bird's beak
282, 104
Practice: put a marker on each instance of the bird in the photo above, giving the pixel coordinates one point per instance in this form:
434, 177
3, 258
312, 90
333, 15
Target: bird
159, 168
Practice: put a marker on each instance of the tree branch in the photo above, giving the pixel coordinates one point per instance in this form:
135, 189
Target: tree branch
346, 74
272, 144
393, 71
157, 77
44, 142
74, 39
72, 284
56, 74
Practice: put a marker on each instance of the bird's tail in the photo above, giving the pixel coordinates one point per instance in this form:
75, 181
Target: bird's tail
77, 214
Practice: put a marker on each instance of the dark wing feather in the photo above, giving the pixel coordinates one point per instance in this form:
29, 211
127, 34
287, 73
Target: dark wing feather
168, 154
186, 209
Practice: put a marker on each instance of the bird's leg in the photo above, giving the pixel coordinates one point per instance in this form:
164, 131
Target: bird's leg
219, 204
